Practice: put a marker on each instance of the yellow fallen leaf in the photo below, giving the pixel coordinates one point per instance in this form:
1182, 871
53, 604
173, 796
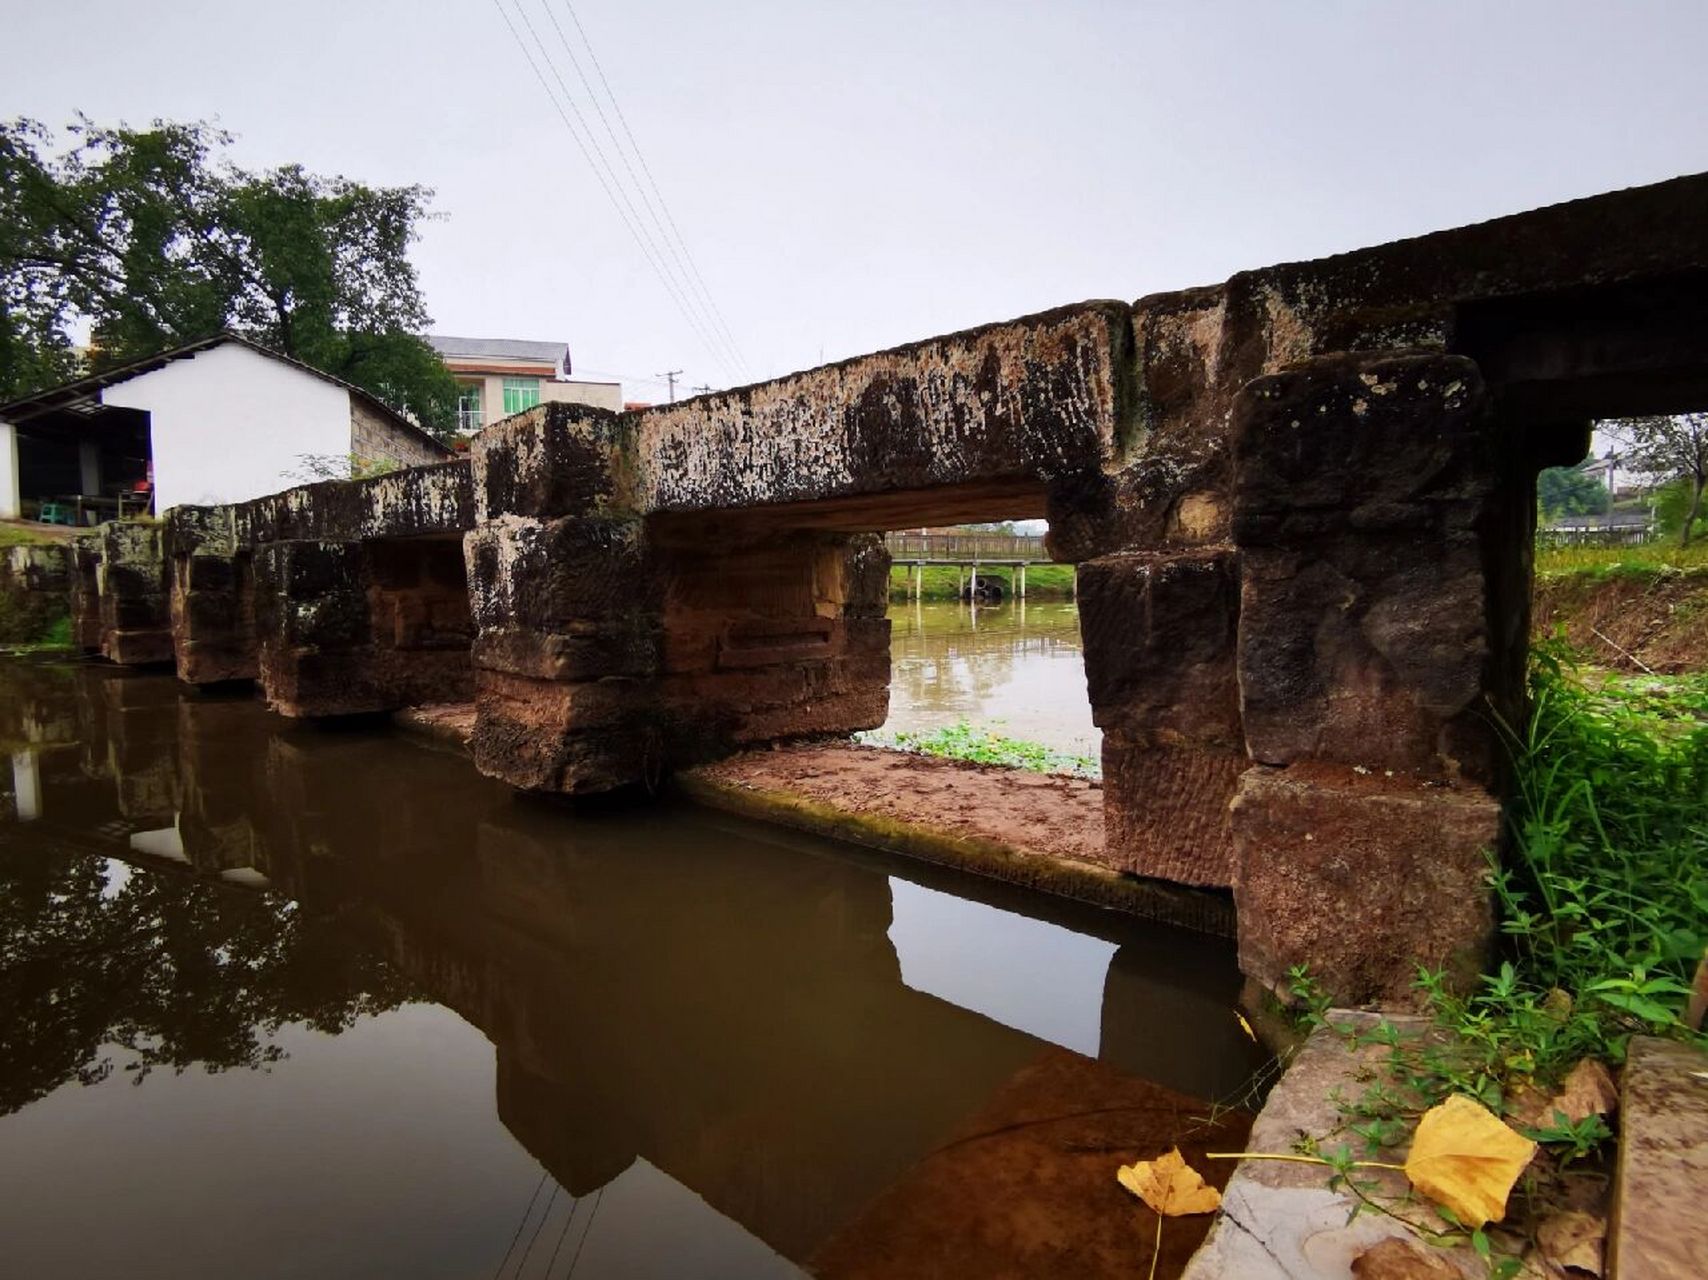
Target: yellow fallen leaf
1245, 1026
1465, 1158
1169, 1185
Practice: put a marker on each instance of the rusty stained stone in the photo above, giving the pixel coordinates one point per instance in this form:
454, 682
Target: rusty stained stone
350, 628
212, 596
1363, 878
1662, 1177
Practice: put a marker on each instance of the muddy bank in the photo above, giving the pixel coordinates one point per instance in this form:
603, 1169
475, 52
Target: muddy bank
1637, 621
1044, 831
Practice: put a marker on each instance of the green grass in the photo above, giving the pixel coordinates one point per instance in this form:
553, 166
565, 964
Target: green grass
1645, 561
984, 745
1043, 581
22, 535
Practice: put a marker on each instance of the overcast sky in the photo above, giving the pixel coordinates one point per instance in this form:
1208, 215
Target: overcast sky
848, 176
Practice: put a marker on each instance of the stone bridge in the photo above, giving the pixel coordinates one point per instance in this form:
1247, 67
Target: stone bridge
1300, 503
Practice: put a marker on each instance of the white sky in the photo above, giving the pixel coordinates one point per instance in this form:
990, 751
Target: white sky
853, 175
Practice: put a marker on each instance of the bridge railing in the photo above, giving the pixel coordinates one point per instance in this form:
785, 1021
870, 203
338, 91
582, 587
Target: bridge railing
965, 547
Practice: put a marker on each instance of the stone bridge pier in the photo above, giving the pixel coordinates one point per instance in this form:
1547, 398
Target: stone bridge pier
1300, 503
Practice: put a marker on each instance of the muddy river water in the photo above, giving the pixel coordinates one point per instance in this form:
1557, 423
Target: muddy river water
291, 1001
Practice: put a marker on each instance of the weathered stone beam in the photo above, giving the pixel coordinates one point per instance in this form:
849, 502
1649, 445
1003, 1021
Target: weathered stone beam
410, 503
1032, 399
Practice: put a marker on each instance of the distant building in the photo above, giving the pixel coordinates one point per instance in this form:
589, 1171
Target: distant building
497, 377
215, 421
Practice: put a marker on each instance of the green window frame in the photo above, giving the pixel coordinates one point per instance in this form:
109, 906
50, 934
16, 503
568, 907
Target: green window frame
520, 394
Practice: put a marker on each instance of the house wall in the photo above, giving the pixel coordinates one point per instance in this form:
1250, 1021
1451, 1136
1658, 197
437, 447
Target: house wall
376, 438
601, 395
229, 424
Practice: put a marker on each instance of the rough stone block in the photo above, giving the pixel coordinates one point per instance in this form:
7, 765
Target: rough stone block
1165, 810
545, 735
1017, 402
1160, 640
1363, 878
548, 574
1366, 625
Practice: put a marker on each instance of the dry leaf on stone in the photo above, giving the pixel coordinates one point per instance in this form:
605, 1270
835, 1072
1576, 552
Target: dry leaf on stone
1401, 1258
1588, 1090
1573, 1242
1465, 1158
1169, 1185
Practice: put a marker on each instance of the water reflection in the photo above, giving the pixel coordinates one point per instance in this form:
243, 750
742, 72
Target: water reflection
722, 1047
1016, 664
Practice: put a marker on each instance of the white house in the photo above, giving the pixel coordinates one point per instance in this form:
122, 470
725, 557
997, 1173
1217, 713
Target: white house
216, 421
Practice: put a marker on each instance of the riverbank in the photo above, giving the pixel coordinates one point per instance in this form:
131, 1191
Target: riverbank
944, 581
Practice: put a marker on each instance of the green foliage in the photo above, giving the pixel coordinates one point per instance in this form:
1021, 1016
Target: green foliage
157, 239
1672, 504
961, 741
1568, 491
1606, 896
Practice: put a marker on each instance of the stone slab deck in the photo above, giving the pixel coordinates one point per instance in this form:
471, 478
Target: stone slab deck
1043, 831
1657, 1228
1280, 1220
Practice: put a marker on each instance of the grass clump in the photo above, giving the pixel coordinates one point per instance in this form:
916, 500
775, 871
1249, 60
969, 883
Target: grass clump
1606, 896
983, 745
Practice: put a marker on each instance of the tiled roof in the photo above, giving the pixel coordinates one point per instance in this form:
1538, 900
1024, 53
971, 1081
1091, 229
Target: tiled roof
554, 353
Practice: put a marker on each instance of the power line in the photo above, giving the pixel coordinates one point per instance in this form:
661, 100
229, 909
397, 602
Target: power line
682, 273
641, 242
693, 267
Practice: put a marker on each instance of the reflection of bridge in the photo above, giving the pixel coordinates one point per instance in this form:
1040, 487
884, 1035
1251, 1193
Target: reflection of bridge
968, 552
784, 1068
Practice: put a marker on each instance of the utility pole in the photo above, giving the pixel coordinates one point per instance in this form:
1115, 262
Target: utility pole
701, 390
670, 376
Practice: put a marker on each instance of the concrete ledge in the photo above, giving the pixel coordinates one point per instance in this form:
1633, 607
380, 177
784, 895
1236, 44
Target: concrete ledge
1281, 1221
1656, 1231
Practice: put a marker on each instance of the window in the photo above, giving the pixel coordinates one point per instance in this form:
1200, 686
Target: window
469, 417
520, 394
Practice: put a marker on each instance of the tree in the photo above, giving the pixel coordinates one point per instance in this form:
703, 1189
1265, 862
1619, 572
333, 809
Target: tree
1668, 448
155, 239
1569, 491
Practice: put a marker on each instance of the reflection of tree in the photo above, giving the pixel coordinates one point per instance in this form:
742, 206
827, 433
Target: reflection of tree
168, 970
